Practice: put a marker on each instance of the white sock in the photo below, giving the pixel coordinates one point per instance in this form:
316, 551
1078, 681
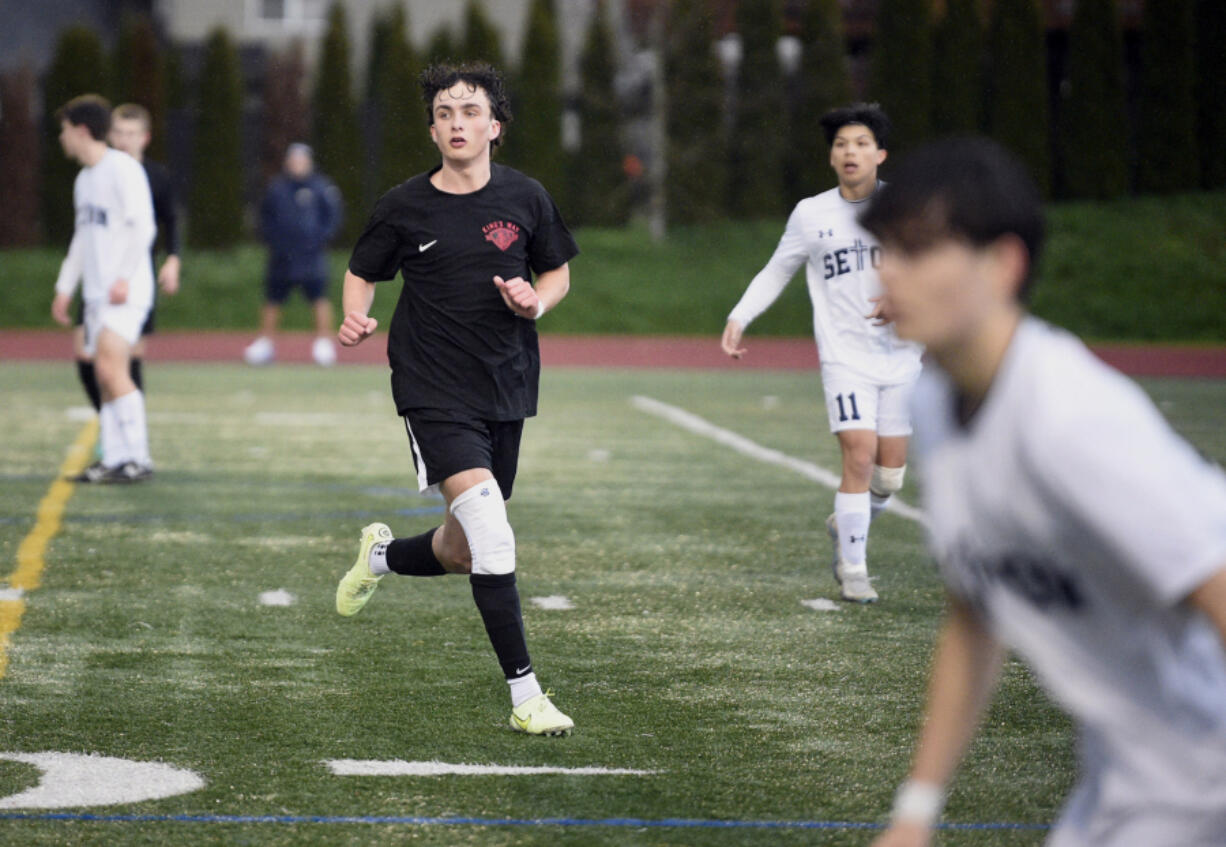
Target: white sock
378, 559
853, 513
110, 439
523, 689
130, 415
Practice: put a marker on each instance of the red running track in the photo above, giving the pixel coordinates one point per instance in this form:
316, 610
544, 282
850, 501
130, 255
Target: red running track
609, 351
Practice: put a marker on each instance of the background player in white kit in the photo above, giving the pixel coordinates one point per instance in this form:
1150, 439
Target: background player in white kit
867, 372
1070, 523
110, 251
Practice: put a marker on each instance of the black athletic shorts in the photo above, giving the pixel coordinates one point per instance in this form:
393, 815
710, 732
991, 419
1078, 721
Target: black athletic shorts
445, 442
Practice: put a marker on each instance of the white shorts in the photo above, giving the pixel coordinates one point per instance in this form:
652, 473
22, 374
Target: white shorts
124, 319
853, 402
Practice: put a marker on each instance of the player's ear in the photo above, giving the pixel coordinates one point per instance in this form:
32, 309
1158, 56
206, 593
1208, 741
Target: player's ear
882, 153
495, 129
1011, 261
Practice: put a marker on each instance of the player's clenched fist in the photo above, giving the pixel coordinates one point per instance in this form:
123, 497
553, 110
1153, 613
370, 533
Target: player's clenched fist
519, 296
355, 329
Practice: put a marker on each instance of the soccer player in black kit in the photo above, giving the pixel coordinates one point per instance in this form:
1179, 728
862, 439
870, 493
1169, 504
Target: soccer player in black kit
467, 238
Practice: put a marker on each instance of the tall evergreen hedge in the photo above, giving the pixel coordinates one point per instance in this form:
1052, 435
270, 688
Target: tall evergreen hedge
482, 42
404, 142
139, 76
823, 83
1211, 91
442, 47
696, 187
902, 69
19, 153
1168, 155
216, 203
534, 142
338, 145
78, 67
759, 124
957, 69
603, 197
1017, 110
1093, 121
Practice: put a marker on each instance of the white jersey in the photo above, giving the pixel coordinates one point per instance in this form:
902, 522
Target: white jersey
1072, 518
114, 232
840, 259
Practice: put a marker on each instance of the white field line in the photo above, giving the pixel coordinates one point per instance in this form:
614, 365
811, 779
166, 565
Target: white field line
74, 779
700, 426
398, 767
554, 602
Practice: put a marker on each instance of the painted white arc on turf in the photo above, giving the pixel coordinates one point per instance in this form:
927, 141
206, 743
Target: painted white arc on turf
399, 767
71, 780
700, 426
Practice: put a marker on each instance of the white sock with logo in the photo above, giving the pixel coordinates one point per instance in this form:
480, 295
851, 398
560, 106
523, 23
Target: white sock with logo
523, 689
853, 513
110, 438
129, 413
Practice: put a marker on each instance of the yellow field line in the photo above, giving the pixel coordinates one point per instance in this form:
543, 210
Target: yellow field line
29, 572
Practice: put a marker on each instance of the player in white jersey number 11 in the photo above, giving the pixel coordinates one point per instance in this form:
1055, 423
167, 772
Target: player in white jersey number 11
867, 372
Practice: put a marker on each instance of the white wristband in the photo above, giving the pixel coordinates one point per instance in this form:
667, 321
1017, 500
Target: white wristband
920, 802
540, 309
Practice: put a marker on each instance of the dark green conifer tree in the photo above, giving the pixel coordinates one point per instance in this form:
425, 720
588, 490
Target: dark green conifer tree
1167, 151
603, 197
697, 185
1211, 91
442, 47
139, 76
286, 116
404, 141
216, 202
902, 69
823, 83
534, 143
482, 42
1093, 122
957, 69
759, 123
1018, 115
78, 67
335, 129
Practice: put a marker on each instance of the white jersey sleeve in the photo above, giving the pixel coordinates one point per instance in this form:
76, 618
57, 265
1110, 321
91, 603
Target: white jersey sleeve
70, 269
765, 288
138, 222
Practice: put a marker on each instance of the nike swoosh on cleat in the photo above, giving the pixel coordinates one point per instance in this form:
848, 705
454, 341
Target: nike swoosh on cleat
422, 248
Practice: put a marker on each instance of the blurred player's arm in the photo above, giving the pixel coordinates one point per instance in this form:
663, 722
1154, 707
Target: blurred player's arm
1210, 598
965, 669
765, 288
531, 302
66, 283
166, 210
357, 296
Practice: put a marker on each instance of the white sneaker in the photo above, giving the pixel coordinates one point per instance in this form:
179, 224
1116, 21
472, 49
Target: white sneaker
854, 582
323, 352
259, 352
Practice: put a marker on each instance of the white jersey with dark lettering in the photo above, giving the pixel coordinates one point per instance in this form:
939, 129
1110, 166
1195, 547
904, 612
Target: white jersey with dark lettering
1075, 522
114, 232
840, 259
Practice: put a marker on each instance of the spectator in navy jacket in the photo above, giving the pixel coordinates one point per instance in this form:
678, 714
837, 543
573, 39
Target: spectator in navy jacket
300, 214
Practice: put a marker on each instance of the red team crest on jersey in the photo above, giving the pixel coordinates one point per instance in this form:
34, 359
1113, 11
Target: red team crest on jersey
502, 234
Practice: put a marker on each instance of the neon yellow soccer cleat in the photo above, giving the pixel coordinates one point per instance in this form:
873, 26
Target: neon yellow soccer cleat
539, 716
357, 586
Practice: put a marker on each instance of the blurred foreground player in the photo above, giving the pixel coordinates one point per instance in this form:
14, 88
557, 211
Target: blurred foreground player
113, 233
466, 237
1070, 523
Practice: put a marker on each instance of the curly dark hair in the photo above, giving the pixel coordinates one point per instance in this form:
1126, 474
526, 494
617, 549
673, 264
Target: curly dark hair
865, 114
474, 75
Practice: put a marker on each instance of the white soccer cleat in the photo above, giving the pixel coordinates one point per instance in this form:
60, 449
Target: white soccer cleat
259, 352
323, 352
854, 584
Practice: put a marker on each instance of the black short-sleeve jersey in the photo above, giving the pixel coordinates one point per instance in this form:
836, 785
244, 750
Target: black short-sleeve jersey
453, 343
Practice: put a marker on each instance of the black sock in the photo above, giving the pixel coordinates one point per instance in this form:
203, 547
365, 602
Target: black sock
414, 556
497, 599
89, 381
137, 373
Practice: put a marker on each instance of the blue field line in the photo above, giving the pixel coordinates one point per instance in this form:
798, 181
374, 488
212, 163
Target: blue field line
415, 820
